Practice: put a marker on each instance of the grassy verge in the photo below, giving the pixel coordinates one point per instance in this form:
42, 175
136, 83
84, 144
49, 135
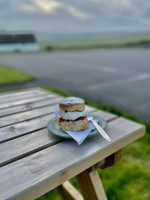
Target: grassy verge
10, 76
93, 43
129, 179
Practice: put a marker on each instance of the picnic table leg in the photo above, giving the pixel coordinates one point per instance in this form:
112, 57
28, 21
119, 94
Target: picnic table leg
90, 182
68, 192
91, 186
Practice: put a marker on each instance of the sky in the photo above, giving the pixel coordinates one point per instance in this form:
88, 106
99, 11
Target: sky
74, 16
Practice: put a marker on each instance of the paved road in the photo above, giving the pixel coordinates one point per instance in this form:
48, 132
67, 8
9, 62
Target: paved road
119, 77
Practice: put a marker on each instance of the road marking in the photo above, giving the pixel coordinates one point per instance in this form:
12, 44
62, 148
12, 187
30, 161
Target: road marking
119, 82
85, 65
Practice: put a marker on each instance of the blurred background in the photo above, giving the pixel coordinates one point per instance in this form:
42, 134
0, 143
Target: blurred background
96, 49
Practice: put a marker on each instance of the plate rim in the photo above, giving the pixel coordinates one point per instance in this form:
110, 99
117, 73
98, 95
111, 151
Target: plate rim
68, 136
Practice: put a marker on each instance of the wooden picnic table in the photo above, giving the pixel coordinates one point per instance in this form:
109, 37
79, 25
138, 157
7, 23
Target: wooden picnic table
33, 161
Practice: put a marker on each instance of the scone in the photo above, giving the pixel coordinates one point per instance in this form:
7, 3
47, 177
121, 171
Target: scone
72, 114
72, 104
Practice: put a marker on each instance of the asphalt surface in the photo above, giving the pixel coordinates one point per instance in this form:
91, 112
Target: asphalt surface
118, 77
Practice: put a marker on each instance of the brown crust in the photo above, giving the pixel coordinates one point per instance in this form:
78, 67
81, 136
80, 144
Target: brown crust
78, 125
72, 107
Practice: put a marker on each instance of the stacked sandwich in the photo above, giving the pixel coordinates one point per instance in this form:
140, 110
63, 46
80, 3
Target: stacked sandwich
72, 113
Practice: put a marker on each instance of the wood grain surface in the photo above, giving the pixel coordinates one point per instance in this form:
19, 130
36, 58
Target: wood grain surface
52, 166
35, 141
32, 160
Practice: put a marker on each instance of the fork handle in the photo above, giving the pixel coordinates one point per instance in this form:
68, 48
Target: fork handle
101, 131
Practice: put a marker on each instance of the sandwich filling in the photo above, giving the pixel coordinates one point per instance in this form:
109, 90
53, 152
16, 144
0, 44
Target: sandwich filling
71, 115
68, 120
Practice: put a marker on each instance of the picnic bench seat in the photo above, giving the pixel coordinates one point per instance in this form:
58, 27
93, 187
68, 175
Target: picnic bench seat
33, 161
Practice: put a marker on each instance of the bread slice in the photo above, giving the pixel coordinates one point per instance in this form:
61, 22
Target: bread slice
72, 104
70, 125
72, 107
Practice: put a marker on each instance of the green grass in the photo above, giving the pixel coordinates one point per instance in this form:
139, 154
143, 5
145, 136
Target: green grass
138, 38
10, 76
79, 44
130, 178
86, 43
94, 43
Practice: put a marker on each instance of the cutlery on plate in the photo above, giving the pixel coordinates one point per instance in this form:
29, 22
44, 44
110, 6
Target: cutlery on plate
100, 130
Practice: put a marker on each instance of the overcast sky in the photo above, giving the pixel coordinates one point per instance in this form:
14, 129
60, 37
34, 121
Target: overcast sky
74, 15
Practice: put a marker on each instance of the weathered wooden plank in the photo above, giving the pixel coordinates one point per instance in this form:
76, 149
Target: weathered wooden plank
69, 192
21, 95
53, 166
13, 149
22, 128
27, 115
106, 115
90, 108
25, 100
91, 185
29, 106
18, 93
16, 118
36, 174
26, 145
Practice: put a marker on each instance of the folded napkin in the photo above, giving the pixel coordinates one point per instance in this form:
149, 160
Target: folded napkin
79, 136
